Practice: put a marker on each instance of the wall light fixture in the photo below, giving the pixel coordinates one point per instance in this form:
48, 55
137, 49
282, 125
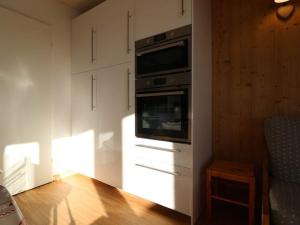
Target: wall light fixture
285, 9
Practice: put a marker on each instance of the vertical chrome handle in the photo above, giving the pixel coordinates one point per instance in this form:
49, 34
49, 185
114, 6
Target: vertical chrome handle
93, 45
93, 105
128, 89
182, 8
128, 32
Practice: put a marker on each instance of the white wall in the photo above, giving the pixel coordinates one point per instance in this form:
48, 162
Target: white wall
58, 16
202, 101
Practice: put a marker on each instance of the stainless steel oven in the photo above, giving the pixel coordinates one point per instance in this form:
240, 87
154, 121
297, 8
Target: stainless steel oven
163, 108
165, 53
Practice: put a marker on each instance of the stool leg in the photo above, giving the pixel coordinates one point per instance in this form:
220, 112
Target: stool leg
208, 200
252, 202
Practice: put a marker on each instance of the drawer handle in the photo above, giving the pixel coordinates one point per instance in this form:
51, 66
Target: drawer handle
157, 148
155, 169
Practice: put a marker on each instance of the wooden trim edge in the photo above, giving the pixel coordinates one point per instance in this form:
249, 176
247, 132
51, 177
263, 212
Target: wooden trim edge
265, 192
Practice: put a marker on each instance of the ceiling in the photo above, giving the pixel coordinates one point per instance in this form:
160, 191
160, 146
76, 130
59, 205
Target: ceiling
82, 5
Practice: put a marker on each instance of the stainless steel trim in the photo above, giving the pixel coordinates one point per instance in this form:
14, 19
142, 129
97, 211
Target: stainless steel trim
158, 148
174, 71
128, 89
160, 94
128, 32
159, 170
182, 8
179, 43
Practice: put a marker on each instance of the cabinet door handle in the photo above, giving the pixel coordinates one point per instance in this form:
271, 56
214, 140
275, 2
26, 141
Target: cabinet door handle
182, 8
128, 32
159, 170
93, 105
128, 89
93, 58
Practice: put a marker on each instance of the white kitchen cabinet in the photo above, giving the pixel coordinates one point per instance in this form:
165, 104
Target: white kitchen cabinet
114, 27
114, 104
84, 42
179, 155
160, 171
170, 186
157, 16
103, 36
84, 123
25, 102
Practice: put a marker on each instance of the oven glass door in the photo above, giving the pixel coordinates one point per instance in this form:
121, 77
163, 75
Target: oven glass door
167, 58
163, 115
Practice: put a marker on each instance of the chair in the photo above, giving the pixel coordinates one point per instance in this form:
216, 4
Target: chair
10, 213
281, 172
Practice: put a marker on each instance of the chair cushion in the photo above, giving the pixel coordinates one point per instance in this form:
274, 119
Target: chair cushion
283, 139
284, 202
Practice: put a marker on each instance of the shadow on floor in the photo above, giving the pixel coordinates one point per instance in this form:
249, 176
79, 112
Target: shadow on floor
120, 212
227, 214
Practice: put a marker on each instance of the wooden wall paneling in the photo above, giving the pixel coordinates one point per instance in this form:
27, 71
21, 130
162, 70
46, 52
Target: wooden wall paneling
256, 74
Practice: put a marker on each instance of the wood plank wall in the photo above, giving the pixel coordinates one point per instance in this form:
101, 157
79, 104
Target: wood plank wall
256, 74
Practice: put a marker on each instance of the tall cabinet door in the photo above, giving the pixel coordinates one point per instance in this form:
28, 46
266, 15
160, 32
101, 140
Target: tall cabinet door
84, 42
157, 16
25, 102
84, 123
115, 41
114, 106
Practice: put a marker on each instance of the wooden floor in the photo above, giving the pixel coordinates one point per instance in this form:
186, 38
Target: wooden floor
78, 200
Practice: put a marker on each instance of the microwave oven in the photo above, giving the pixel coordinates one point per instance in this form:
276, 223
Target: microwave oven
166, 53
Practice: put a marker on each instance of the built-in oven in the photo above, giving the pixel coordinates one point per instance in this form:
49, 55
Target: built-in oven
165, 53
163, 108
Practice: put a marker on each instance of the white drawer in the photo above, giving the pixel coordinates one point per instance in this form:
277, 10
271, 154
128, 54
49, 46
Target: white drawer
170, 187
164, 153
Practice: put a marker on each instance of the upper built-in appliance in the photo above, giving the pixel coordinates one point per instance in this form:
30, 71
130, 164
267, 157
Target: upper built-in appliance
166, 53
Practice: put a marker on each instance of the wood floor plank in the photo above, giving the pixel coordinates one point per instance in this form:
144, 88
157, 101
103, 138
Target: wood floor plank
78, 200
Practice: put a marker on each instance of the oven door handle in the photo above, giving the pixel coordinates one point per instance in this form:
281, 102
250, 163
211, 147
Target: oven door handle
160, 94
179, 43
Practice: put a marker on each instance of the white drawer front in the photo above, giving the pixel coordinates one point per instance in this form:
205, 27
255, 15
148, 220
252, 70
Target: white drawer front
170, 187
170, 154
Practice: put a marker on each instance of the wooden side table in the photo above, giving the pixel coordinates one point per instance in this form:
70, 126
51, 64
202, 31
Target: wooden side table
232, 172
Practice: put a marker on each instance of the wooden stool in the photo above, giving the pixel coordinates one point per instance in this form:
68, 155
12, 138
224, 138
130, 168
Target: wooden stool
236, 172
